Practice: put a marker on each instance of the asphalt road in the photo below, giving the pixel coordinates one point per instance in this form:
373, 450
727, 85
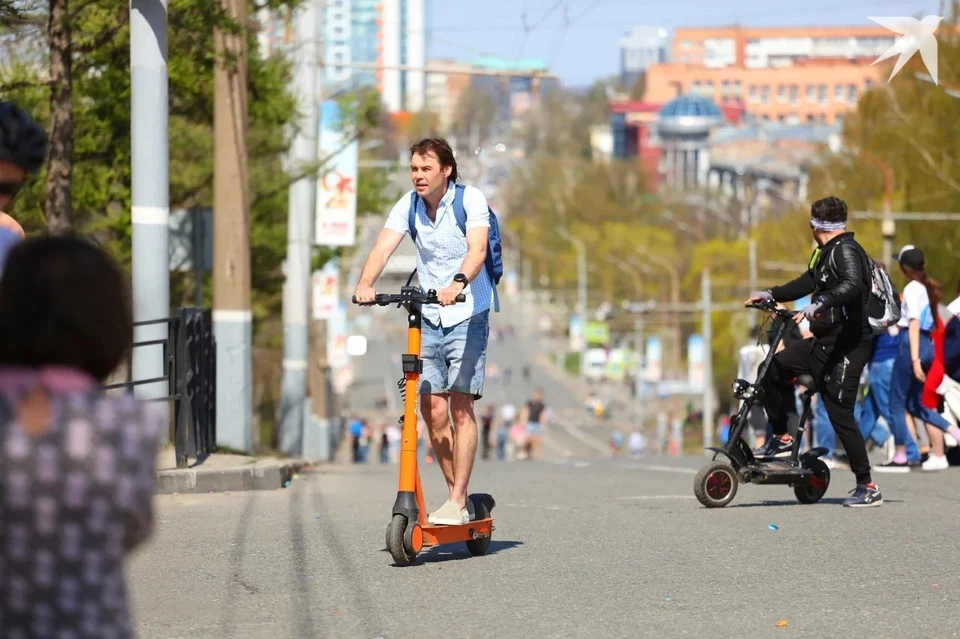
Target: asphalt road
598, 548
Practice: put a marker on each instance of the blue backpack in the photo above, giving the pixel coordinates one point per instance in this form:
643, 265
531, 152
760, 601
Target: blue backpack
494, 261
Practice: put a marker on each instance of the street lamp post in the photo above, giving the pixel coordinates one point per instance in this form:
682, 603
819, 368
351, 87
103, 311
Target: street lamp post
581, 292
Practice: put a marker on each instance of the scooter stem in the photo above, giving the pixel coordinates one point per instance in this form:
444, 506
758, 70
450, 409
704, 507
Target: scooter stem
412, 367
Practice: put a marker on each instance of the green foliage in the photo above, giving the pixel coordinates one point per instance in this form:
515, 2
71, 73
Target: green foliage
911, 126
102, 171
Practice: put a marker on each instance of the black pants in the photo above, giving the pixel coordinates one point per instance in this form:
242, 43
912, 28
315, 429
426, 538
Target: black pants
837, 375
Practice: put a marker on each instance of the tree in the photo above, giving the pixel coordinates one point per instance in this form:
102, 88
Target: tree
909, 125
100, 184
58, 205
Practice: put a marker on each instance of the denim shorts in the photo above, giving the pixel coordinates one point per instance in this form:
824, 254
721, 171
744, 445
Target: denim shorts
454, 358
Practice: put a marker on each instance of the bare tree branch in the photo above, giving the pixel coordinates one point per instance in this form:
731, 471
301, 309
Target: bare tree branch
935, 168
9, 87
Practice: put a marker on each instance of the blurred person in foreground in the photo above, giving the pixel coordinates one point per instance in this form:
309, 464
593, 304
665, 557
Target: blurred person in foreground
23, 150
837, 281
77, 467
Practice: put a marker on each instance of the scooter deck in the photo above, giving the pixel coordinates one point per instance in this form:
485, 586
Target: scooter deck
442, 535
775, 471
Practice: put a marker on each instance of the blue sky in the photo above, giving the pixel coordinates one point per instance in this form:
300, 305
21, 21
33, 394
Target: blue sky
589, 47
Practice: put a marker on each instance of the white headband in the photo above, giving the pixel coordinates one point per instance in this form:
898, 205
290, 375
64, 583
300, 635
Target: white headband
823, 225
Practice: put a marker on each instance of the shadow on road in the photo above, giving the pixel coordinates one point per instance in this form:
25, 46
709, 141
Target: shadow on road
829, 501
455, 552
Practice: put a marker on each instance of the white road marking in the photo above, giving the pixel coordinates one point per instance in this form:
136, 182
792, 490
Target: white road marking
665, 469
589, 440
549, 443
655, 497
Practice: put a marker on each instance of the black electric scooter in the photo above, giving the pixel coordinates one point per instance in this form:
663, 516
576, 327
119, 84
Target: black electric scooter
716, 483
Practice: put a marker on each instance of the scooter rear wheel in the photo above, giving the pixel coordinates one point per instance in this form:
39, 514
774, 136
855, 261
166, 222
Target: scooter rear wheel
813, 490
395, 541
716, 484
481, 545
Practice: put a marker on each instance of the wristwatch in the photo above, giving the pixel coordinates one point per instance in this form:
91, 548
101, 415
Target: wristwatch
461, 278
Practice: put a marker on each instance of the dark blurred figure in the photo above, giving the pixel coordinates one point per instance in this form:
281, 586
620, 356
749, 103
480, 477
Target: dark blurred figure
78, 467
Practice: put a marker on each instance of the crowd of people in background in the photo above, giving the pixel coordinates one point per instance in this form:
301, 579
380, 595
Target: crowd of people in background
909, 401
507, 434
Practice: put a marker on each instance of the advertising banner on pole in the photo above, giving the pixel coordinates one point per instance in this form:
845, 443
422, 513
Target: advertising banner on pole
325, 293
654, 359
336, 217
695, 361
337, 338
576, 333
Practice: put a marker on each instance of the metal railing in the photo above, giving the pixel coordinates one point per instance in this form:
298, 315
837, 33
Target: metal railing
190, 364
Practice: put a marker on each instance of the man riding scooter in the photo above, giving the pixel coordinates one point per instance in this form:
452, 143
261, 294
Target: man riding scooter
837, 281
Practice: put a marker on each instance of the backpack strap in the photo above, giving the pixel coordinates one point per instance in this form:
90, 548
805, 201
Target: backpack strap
412, 218
458, 209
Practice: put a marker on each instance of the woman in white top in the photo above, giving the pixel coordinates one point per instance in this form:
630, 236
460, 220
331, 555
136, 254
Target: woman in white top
921, 297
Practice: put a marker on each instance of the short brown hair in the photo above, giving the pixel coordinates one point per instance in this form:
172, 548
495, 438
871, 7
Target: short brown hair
440, 148
64, 302
829, 209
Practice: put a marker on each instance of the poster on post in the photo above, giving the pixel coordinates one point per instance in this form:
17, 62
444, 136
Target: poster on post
326, 284
336, 210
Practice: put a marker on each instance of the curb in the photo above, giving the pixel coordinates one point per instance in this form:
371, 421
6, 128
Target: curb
270, 476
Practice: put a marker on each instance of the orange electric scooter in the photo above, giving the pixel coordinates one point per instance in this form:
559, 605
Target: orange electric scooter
408, 532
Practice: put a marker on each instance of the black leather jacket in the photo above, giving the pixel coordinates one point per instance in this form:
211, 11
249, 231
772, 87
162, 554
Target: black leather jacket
837, 280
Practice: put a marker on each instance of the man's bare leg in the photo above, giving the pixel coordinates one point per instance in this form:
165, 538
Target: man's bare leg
465, 445
436, 413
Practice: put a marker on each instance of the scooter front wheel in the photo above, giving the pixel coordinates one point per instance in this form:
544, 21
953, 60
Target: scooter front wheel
716, 484
396, 534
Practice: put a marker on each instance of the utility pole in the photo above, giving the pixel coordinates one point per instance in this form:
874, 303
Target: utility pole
752, 318
232, 317
638, 381
150, 161
708, 407
888, 228
316, 441
581, 294
582, 304
300, 219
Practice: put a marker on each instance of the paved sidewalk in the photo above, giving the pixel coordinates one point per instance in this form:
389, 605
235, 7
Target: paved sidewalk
224, 472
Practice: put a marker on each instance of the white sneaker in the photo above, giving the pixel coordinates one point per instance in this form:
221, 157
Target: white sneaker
935, 462
448, 515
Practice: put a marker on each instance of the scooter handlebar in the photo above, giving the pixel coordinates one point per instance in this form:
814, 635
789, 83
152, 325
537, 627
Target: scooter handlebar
769, 306
382, 299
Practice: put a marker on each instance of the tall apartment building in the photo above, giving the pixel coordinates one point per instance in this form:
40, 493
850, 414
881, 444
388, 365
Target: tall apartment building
387, 33
402, 49
639, 48
512, 96
785, 74
446, 81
